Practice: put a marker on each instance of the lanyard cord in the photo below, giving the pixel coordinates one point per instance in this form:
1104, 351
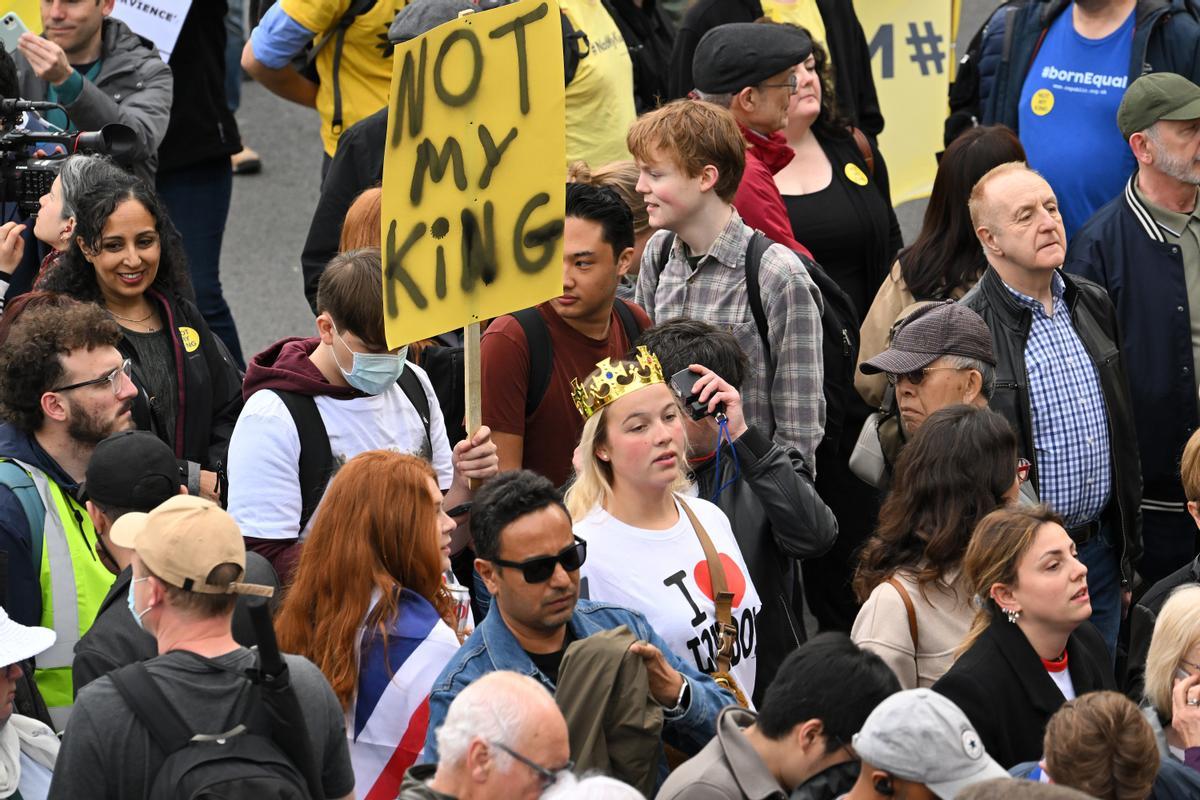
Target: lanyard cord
723, 437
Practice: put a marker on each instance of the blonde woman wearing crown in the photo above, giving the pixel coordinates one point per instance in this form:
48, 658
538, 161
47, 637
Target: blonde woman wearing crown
644, 535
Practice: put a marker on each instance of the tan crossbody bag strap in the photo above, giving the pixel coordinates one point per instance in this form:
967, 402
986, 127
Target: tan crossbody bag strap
908, 607
722, 597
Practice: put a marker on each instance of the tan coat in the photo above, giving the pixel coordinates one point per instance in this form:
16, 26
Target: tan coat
892, 302
944, 615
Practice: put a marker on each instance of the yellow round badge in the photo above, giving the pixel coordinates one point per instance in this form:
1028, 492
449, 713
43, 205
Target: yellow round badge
1042, 102
856, 175
190, 339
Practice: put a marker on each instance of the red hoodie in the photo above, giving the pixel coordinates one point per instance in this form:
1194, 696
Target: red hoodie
758, 199
286, 365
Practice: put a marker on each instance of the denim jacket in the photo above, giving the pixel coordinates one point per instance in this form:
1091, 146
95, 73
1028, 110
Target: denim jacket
492, 647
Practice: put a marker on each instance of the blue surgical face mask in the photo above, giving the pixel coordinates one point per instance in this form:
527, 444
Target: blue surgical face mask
372, 373
137, 617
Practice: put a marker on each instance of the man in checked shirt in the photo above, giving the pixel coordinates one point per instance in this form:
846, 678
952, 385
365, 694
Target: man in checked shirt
691, 156
1060, 380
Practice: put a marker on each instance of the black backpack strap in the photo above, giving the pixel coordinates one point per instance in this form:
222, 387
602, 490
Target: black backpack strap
575, 48
754, 255
541, 356
338, 35
410, 384
628, 321
316, 456
664, 253
150, 705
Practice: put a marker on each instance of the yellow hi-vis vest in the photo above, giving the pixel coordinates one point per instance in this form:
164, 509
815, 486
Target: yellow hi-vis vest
74, 583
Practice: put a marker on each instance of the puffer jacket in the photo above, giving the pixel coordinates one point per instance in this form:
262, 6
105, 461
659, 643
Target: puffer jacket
1095, 321
134, 88
777, 517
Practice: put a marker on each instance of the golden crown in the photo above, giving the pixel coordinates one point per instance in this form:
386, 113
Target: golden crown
614, 379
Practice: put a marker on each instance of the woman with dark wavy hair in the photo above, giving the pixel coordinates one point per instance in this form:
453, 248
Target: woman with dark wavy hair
946, 259
127, 257
961, 465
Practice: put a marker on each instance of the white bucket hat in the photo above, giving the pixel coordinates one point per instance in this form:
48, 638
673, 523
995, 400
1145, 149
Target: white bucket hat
19, 642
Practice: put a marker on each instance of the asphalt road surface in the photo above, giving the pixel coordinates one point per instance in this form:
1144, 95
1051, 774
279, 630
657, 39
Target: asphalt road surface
271, 211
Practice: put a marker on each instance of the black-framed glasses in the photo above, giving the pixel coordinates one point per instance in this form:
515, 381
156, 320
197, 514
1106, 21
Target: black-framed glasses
113, 377
539, 570
548, 776
791, 84
917, 375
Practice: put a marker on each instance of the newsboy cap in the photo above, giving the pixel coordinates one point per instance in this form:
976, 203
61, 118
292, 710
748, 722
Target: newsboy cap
731, 57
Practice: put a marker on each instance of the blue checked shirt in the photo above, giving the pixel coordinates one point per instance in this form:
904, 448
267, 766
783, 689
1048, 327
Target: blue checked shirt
1070, 422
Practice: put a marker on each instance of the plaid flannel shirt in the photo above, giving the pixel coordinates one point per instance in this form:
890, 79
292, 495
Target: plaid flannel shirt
1067, 411
784, 399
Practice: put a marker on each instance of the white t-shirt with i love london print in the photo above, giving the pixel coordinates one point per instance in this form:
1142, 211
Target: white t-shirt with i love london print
664, 575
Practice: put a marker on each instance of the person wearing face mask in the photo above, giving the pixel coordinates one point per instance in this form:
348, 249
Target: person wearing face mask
28, 748
133, 471
313, 403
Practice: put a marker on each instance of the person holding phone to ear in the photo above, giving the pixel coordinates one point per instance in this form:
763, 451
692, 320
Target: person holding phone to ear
1172, 701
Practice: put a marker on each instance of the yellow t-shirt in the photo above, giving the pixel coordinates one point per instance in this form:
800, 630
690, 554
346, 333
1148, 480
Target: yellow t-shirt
798, 12
600, 99
365, 73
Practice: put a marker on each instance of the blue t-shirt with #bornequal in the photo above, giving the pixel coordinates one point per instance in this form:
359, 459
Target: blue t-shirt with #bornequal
1068, 116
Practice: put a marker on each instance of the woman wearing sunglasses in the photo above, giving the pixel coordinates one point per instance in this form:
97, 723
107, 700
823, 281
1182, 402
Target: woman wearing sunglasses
961, 465
650, 548
1172, 703
370, 607
127, 257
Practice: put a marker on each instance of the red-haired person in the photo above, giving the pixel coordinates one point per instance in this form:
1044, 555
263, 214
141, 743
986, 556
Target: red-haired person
369, 607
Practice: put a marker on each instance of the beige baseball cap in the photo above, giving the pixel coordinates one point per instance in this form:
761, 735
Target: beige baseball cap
183, 540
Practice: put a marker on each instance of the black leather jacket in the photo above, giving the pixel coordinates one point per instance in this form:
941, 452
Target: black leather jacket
1095, 322
777, 517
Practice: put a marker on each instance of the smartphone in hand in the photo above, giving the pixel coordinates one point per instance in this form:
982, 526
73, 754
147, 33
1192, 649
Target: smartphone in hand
11, 28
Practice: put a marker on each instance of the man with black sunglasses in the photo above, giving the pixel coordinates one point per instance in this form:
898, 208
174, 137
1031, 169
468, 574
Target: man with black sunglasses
529, 559
64, 388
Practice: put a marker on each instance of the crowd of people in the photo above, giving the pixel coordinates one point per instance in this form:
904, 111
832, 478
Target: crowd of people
971, 463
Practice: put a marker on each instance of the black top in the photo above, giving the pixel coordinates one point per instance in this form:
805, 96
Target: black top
549, 663
1002, 687
649, 35
202, 128
850, 226
156, 363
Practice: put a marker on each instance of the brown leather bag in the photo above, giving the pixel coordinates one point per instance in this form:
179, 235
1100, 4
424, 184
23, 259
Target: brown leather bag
723, 598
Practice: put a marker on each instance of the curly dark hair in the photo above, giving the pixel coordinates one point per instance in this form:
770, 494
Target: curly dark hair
75, 276
30, 361
954, 472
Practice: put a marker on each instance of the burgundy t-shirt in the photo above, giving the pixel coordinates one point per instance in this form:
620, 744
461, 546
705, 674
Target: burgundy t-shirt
552, 433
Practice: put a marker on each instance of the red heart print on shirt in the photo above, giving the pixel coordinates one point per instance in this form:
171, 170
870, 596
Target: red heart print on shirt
733, 578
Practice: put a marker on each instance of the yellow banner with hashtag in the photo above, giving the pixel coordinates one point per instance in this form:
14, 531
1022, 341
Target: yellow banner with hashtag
912, 58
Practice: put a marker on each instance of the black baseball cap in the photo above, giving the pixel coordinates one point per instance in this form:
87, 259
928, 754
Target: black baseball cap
133, 471
731, 57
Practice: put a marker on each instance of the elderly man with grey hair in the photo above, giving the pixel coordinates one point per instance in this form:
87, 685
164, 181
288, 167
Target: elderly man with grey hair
503, 738
940, 355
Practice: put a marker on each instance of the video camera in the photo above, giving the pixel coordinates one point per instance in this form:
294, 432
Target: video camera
24, 178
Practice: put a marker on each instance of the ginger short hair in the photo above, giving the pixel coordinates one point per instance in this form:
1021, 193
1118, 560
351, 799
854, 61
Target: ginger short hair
694, 135
1189, 468
976, 202
1101, 744
362, 225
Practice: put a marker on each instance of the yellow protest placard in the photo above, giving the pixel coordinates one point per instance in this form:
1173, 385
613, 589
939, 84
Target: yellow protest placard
473, 186
912, 58
28, 10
